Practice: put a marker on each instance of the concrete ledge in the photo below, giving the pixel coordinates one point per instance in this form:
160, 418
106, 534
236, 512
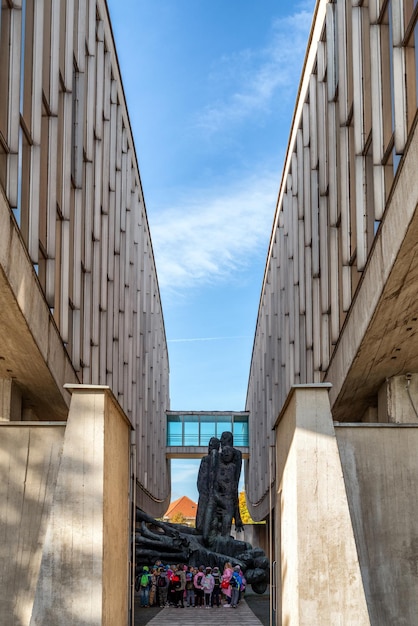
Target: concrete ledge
319, 578
380, 465
83, 577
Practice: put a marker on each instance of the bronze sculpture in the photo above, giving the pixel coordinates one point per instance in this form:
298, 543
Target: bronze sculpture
205, 486
217, 483
210, 542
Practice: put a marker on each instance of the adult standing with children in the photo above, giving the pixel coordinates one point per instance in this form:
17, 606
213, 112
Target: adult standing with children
225, 584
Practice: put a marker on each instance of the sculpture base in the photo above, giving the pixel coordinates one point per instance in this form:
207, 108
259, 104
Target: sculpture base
177, 543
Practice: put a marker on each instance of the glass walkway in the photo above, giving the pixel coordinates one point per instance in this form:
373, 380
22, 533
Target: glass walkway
188, 433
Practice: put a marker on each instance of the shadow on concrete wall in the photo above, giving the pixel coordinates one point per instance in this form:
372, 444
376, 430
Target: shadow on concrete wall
30, 458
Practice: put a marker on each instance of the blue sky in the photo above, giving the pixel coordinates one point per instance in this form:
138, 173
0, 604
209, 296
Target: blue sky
211, 88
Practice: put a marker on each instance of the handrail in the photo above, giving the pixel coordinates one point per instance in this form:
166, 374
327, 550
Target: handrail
149, 494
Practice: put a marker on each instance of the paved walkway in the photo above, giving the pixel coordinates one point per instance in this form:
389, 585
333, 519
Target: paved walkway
241, 616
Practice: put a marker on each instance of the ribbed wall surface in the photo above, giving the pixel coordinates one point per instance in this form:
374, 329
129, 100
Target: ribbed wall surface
69, 171
355, 113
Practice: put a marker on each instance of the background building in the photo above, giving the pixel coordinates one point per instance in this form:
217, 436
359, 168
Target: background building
80, 306
334, 467
183, 510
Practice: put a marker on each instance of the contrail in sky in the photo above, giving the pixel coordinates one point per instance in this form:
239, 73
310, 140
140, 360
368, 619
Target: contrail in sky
207, 339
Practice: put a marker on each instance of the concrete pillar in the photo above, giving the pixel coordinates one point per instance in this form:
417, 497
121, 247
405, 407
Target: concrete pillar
371, 415
319, 572
398, 400
84, 574
10, 400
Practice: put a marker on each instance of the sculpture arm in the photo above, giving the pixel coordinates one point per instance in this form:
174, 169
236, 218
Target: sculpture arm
239, 526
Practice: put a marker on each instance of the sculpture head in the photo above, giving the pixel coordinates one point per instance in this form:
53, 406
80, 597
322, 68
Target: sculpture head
227, 454
214, 444
227, 439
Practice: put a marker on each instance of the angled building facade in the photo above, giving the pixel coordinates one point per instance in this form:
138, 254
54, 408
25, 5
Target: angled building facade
83, 353
333, 385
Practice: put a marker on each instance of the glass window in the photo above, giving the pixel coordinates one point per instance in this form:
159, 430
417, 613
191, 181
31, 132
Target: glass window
207, 429
77, 128
43, 188
223, 423
191, 430
240, 431
3, 165
411, 68
174, 430
392, 88
367, 97
386, 61
196, 429
413, 75
332, 50
4, 67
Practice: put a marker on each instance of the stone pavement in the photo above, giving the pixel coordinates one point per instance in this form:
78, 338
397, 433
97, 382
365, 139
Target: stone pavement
241, 616
252, 611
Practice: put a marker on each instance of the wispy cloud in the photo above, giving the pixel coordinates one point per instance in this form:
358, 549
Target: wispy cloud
258, 79
210, 235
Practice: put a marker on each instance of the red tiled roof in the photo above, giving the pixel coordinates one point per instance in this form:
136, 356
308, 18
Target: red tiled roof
182, 505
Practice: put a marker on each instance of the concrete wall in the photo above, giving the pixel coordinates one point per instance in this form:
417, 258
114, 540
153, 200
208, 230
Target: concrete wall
65, 516
319, 576
339, 299
29, 461
255, 534
78, 283
30, 344
83, 577
380, 465
116, 519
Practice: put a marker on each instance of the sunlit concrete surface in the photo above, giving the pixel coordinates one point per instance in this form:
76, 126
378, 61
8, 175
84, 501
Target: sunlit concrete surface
241, 616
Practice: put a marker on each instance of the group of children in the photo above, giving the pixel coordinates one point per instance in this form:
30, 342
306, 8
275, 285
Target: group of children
182, 585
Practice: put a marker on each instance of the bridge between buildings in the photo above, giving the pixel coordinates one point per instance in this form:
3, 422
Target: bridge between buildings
189, 432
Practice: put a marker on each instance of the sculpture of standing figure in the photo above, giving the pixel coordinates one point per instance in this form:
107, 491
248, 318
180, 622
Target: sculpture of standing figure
217, 483
226, 493
205, 486
227, 439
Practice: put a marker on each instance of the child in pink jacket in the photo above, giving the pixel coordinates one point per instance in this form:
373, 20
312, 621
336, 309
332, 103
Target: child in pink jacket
198, 589
208, 584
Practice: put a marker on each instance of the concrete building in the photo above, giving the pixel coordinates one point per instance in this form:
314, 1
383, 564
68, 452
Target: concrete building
332, 399
333, 387
83, 354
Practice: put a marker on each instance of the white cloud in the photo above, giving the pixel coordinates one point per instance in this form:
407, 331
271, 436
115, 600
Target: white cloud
258, 80
208, 237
